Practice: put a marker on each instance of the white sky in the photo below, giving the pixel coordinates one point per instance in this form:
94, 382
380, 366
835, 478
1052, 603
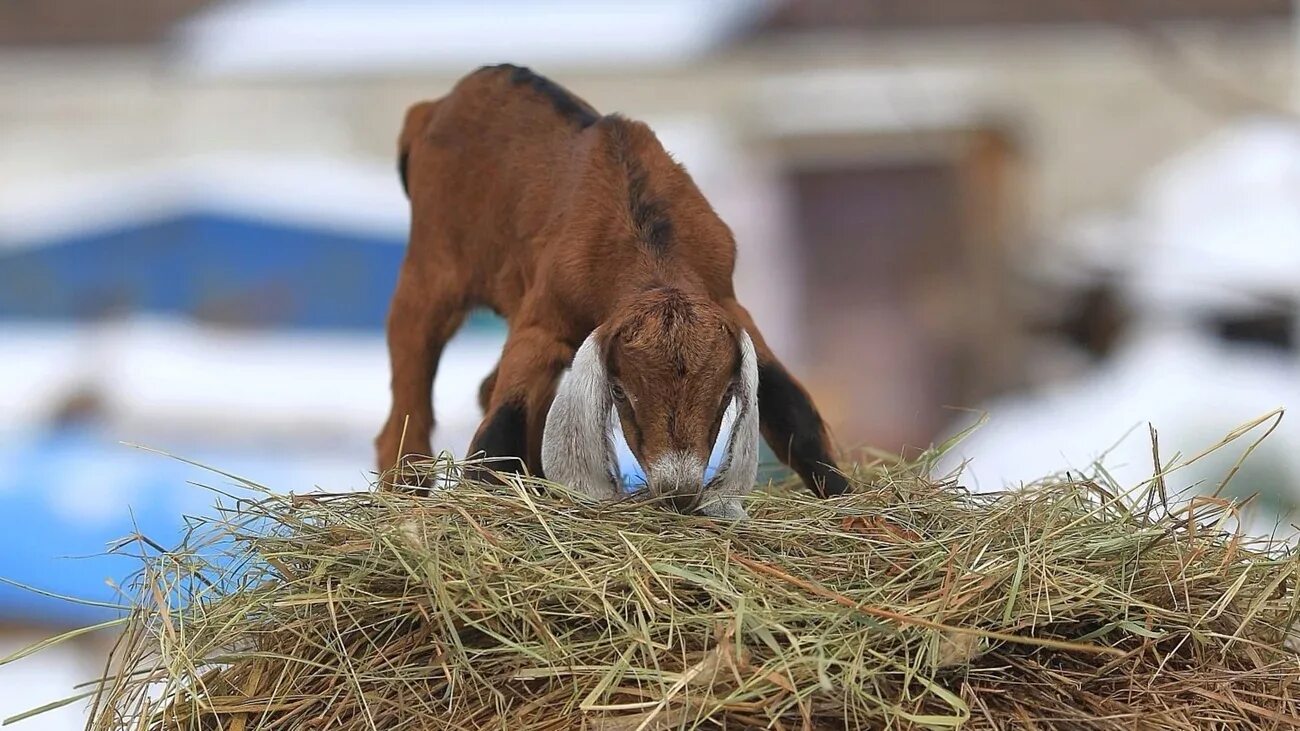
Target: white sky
363, 196
333, 37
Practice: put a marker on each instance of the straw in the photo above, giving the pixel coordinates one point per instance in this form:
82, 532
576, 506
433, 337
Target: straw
909, 603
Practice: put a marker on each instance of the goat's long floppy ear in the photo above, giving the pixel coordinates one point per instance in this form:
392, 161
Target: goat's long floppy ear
739, 469
577, 443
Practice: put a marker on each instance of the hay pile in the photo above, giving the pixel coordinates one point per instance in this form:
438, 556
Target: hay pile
908, 604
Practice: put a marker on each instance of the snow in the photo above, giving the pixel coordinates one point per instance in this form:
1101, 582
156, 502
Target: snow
293, 412
45, 678
159, 376
1215, 230
330, 193
171, 385
1222, 221
1193, 391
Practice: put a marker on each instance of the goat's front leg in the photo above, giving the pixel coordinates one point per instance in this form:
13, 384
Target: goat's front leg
790, 423
509, 439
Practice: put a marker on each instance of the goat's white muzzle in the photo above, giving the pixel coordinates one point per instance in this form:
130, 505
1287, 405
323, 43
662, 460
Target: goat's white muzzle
677, 480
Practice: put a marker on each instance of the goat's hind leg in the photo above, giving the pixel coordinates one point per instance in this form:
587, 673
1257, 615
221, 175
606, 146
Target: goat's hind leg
790, 422
425, 312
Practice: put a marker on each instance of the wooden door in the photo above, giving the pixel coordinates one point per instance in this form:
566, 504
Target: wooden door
903, 271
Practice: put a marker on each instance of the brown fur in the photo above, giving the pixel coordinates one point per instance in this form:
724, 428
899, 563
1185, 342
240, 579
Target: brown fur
526, 201
699, 341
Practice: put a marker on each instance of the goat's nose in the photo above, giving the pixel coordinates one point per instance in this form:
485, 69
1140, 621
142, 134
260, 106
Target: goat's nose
683, 501
677, 480
678, 493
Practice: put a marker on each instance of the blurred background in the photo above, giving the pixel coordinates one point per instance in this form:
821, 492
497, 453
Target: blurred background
1077, 216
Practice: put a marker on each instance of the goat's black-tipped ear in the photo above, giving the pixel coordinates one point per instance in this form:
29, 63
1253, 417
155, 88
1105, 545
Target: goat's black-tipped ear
502, 440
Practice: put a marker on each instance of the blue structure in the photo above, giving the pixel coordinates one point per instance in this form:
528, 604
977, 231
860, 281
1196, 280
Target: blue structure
59, 515
212, 266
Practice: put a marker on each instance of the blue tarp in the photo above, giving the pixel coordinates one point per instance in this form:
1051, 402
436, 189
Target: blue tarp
65, 497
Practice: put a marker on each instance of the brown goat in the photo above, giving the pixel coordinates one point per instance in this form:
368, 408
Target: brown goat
606, 261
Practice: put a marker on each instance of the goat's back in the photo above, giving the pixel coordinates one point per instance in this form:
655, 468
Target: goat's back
508, 164
484, 164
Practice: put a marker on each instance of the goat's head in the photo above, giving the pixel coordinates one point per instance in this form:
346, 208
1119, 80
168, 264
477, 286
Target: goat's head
669, 364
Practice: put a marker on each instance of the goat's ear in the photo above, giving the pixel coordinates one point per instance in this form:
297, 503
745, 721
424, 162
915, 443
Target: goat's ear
577, 443
739, 469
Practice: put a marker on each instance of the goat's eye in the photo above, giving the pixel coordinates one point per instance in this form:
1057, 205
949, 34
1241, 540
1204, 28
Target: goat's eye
617, 392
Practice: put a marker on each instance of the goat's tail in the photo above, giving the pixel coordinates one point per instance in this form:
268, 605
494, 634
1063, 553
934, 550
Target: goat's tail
417, 121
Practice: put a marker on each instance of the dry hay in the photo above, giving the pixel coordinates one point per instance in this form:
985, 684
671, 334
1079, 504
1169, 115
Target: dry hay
910, 603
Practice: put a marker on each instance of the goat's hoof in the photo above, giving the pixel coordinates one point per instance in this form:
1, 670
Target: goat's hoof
407, 482
493, 470
413, 474
830, 483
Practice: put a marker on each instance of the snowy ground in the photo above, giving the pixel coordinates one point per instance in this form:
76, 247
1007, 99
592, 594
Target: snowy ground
1214, 233
46, 678
311, 399
165, 382
1192, 390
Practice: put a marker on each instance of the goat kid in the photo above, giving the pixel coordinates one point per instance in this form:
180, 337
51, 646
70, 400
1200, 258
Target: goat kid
608, 263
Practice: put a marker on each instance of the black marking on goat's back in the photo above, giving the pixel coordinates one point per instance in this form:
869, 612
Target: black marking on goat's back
649, 212
562, 100
795, 430
649, 215
401, 171
504, 439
